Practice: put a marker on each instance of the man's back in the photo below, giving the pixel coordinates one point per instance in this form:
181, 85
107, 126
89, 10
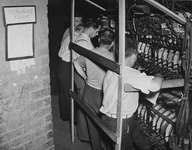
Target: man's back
96, 73
64, 51
132, 77
84, 41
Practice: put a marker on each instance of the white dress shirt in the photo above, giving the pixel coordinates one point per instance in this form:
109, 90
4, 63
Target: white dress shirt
129, 99
65, 52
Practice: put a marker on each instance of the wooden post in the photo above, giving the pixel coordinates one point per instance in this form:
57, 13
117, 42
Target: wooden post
122, 63
72, 72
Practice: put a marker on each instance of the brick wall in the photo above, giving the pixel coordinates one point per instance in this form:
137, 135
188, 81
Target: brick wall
25, 103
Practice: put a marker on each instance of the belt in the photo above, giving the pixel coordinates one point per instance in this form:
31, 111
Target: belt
115, 116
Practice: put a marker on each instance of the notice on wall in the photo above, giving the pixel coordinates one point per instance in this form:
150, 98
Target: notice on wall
19, 14
19, 22
20, 42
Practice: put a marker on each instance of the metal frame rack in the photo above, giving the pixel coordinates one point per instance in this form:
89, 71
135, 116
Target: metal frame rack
116, 67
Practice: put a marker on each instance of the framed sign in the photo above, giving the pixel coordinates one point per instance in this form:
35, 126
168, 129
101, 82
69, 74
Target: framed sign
19, 14
19, 41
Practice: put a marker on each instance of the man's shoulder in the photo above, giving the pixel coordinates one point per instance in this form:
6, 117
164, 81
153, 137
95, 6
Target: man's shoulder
133, 73
111, 74
107, 54
81, 39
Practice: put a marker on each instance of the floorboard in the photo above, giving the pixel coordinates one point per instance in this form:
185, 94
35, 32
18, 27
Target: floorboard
61, 129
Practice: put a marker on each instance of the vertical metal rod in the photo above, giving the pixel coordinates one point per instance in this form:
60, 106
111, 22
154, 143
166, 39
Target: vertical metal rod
72, 72
122, 63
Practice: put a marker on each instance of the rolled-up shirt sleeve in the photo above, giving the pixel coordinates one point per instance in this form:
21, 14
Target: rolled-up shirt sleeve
138, 80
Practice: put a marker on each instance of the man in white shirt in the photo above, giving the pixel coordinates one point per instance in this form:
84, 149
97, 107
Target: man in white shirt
137, 80
92, 27
64, 74
78, 19
94, 75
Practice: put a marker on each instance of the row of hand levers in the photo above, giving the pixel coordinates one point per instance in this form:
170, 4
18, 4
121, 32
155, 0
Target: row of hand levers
163, 61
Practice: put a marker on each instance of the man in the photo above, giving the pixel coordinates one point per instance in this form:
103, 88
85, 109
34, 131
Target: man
94, 75
78, 19
92, 27
64, 74
137, 80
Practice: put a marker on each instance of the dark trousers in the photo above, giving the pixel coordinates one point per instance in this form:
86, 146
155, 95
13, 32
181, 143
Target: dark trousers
127, 131
130, 134
64, 76
82, 129
93, 99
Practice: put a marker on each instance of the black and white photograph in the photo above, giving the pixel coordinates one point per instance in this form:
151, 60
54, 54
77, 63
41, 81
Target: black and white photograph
96, 75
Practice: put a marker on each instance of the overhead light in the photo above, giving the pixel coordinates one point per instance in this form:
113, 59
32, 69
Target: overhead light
92, 3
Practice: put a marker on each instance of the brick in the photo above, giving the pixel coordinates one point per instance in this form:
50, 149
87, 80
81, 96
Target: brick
49, 144
33, 125
43, 112
5, 94
31, 86
3, 86
10, 135
4, 146
40, 131
45, 82
48, 118
35, 142
34, 76
51, 148
22, 101
43, 51
47, 101
12, 92
5, 106
34, 106
44, 60
50, 134
45, 71
3, 129
23, 139
18, 118
19, 148
18, 141
40, 93
2, 119
48, 127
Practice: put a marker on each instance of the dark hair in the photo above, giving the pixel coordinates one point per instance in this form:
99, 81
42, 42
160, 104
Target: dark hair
106, 36
78, 14
92, 22
131, 45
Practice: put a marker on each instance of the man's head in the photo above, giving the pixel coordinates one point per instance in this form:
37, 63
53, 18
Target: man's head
80, 28
131, 51
92, 27
78, 19
106, 37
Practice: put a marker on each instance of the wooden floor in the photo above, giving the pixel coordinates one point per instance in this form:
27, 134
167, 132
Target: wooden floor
61, 129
